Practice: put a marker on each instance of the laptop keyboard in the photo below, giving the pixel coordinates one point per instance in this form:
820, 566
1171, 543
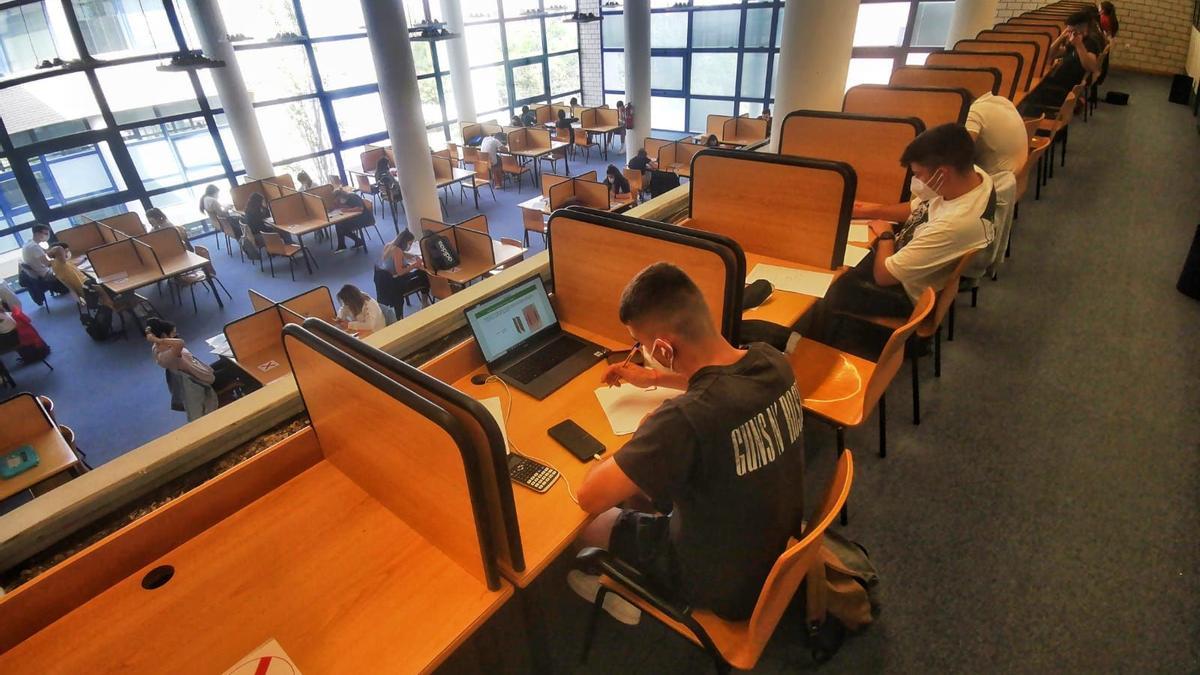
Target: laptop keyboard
543, 360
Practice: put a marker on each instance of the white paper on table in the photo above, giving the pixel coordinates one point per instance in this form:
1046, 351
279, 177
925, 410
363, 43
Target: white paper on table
859, 233
854, 255
626, 405
494, 407
805, 282
269, 658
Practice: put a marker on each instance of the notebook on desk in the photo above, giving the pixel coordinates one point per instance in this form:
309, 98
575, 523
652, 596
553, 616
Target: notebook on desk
523, 342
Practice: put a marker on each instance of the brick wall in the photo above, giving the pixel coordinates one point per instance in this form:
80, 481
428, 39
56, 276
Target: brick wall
1154, 34
591, 70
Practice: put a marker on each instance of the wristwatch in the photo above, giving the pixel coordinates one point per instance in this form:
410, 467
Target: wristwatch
885, 235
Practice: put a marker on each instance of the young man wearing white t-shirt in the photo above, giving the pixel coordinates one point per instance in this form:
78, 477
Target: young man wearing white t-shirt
950, 215
1001, 148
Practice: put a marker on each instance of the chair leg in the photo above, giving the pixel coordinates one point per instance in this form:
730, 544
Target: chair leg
590, 631
950, 335
271, 259
916, 386
192, 288
227, 293
292, 267
1065, 133
937, 352
975, 296
883, 425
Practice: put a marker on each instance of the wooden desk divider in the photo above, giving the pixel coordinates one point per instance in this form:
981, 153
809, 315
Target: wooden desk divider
1035, 21
470, 130
168, 248
932, 106
588, 175
240, 194
978, 81
1046, 29
82, 238
316, 303
443, 168
544, 113
298, 208
562, 194
598, 118
418, 460
473, 247
870, 145
549, 180
715, 124
1040, 40
1028, 50
537, 139
258, 301
255, 340
1008, 63
789, 208
129, 223
325, 192
744, 130
369, 158
591, 194
653, 146
478, 223
588, 118
518, 140
487, 440
128, 256
594, 254
283, 180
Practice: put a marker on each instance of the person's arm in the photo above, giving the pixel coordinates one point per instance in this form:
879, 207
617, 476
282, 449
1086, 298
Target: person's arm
657, 462
885, 247
370, 317
897, 213
642, 377
1087, 59
604, 487
170, 348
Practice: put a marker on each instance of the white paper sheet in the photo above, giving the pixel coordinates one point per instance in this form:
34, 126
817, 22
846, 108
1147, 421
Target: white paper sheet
269, 658
626, 405
219, 345
854, 255
494, 406
859, 233
805, 282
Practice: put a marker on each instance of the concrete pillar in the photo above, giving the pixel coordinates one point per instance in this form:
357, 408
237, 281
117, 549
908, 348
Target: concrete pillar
814, 58
231, 87
460, 64
387, 31
970, 17
637, 71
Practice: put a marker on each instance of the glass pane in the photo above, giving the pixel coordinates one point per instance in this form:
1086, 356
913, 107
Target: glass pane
524, 38
414, 11
666, 72
701, 109
422, 57
30, 34
431, 107
227, 142
345, 63
564, 73
14, 210
881, 24
667, 113
751, 108
359, 116
668, 29
323, 17
716, 28
319, 168
714, 74
758, 27
182, 207
293, 129
277, 72
448, 98
49, 108
479, 10
488, 85
612, 31
259, 19
483, 44
174, 153
561, 36
516, 8
932, 24
868, 71
112, 28
614, 71
754, 74
138, 91
77, 174
916, 58
528, 82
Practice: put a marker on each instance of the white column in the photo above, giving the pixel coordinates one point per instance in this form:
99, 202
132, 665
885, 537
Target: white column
813, 58
231, 87
637, 71
460, 64
970, 17
387, 31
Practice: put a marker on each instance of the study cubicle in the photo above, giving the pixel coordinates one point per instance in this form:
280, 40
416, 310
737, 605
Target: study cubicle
471, 241
129, 264
1049, 31
1040, 40
27, 422
240, 194
600, 121
582, 191
742, 131
88, 235
978, 81
1026, 76
1007, 63
298, 214
673, 156
790, 215
340, 549
532, 143
256, 339
933, 106
128, 223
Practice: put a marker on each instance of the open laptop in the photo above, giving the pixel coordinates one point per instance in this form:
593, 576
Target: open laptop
523, 343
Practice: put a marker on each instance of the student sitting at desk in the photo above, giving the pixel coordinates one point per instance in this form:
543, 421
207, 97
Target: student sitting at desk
407, 270
158, 221
711, 141
349, 202
528, 117
255, 220
950, 215
359, 311
727, 456
616, 181
209, 204
620, 132
642, 162
304, 182
66, 271
564, 122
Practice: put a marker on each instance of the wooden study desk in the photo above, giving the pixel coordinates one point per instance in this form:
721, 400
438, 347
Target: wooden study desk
26, 422
502, 256
784, 308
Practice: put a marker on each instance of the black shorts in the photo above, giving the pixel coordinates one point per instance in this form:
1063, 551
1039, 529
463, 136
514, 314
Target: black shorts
643, 541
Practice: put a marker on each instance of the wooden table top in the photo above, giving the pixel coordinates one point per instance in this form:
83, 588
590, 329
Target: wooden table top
554, 145
184, 263
542, 205
549, 521
54, 457
310, 226
131, 282
339, 581
783, 307
502, 254
253, 363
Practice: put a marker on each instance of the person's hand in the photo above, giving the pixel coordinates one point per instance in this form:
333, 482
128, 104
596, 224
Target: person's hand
878, 227
860, 208
1076, 39
638, 376
150, 337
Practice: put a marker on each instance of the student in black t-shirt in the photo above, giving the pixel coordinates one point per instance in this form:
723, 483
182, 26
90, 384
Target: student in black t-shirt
1079, 47
726, 455
564, 122
642, 162
616, 181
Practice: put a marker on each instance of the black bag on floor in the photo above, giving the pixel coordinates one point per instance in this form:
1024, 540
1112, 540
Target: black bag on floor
1181, 90
1189, 278
98, 326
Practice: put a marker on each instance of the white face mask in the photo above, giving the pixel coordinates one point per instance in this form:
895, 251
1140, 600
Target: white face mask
923, 191
655, 364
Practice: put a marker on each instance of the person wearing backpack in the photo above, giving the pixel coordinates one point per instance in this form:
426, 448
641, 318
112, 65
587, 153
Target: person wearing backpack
191, 380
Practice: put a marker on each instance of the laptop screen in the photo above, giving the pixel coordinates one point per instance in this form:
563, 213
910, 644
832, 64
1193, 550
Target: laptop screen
508, 320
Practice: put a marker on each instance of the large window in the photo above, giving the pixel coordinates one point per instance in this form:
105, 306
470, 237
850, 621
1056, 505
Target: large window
720, 56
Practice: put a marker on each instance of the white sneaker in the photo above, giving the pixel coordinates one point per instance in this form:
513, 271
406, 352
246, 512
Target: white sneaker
587, 586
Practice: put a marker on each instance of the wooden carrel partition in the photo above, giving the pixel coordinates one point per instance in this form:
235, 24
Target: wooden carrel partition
129, 223
932, 106
1041, 41
128, 256
1008, 63
316, 303
1028, 50
978, 81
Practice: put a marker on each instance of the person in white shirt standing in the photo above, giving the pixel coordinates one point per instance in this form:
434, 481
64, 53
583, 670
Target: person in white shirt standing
950, 215
491, 146
1001, 149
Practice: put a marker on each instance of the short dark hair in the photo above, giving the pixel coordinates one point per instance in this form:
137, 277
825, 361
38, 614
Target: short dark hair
159, 327
666, 296
1081, 17
944, 145
41, 229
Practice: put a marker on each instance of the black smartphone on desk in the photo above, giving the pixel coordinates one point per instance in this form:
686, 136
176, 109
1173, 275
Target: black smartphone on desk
577, 441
